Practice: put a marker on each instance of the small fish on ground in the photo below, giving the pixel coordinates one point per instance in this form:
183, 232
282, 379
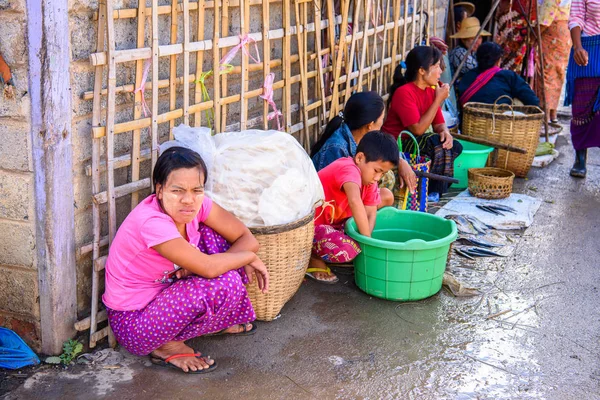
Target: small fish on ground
488, 209
481, 252
500, 207
479, 242
477, 224
462, 253
462, 224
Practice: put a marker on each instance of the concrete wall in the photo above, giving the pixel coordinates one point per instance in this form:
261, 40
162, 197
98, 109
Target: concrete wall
19, 301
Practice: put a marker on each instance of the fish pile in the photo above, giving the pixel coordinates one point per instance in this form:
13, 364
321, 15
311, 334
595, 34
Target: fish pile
496, 209
469, 225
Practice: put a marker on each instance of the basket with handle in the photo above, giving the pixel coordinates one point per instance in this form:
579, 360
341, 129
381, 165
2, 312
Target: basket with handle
416, 201
285, 250
492, 122
490, 183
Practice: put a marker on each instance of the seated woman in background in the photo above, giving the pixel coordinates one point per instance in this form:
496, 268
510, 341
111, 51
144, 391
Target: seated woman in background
414, 105
177, 267
488, 82
364, 112
466, 35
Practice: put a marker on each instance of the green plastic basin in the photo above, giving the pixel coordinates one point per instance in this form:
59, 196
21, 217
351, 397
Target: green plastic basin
473, 156
406, 257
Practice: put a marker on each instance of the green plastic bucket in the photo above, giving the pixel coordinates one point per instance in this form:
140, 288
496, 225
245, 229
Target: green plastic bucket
473, 156
406, 256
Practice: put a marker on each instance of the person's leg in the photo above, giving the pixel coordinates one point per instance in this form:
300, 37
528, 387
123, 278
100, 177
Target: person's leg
330, 245
387, 198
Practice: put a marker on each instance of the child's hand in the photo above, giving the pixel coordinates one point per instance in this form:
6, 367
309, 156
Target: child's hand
446, 139
183, 273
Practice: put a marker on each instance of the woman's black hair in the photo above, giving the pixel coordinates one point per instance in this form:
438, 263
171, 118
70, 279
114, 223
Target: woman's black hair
488, 55
459, 14
379, 146
176, 158
361, 109
419, 57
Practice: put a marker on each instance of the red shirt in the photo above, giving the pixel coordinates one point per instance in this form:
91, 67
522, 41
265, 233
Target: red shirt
409, 103
333, 178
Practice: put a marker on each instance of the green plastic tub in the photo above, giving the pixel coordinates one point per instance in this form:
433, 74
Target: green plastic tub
405, 259
473, 156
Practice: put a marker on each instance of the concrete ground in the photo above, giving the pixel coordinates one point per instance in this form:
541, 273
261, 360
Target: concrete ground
337, 342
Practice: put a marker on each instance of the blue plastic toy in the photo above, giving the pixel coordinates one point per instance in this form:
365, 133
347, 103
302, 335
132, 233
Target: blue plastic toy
14, 353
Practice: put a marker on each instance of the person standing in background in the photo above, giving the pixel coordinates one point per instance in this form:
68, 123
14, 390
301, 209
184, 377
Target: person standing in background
553, 19
583, 80
512, 31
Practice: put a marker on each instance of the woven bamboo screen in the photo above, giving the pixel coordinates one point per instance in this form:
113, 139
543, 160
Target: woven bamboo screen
205, 63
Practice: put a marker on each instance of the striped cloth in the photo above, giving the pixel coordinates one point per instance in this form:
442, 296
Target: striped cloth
586, 15
592, 45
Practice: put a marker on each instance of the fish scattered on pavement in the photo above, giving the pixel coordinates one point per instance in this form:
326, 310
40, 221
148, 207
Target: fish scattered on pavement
500, 207
462, 224
479, 242
489, 209
479, 226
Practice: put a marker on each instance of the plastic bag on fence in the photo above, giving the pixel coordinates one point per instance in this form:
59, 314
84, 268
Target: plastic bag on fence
265, 178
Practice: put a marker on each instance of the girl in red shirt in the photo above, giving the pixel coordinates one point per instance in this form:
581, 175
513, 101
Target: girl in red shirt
414, 105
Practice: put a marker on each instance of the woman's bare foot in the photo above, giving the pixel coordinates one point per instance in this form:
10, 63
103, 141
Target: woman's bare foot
316, 262
185, 363
239, 328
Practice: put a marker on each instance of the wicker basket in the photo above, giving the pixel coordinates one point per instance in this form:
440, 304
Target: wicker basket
490, 183
487, 121
285, 250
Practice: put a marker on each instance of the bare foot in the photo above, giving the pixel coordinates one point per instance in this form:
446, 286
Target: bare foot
185, 363
316, 262
239, 328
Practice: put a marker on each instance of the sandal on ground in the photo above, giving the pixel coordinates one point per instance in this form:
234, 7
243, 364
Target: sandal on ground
245, 331
166, 363
311, 271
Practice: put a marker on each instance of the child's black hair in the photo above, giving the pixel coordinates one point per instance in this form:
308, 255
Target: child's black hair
379, 146
488, 55
176, 158
361, 109
419, 57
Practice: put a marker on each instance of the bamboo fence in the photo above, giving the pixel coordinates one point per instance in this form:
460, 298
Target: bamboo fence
315, 52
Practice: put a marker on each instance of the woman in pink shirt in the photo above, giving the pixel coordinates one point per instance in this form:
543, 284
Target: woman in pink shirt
177, 268
583, 80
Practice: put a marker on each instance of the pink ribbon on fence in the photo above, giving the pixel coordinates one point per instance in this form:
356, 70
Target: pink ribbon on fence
142, 88
244, 40
268, 97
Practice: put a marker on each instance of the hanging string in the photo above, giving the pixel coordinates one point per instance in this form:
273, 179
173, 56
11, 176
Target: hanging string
244, 40
268, 97
210, 113
142, 88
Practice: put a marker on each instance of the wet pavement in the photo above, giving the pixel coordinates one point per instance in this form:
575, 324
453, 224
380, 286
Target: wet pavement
336, 342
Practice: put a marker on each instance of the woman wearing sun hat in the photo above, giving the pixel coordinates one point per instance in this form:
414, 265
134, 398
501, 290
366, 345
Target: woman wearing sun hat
468, 30
462, 10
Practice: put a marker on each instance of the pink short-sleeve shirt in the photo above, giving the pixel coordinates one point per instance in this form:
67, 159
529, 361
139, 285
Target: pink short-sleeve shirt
135, 272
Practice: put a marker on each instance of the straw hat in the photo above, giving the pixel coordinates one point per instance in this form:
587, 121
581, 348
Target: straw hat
469, 7
469, 28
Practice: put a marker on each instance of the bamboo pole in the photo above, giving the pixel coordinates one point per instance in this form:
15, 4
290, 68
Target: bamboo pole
364, 47
334, 107
216, 71
303, 80
225, 78
542, 70
172, 63
266, 15
244, 28
352, 55
287, 99
319, 61
154, 127
198, 96
137, 106
96, 224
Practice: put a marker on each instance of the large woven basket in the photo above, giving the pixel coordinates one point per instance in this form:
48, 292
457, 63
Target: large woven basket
488, 121
490, 183
285, 250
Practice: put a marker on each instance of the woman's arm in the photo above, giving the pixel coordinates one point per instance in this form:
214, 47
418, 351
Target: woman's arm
522, 91
182, 253
441, 93
357, 207
579, 53
232, 229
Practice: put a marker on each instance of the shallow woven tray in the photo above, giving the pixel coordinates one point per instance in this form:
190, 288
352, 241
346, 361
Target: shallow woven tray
285, 250
490, 183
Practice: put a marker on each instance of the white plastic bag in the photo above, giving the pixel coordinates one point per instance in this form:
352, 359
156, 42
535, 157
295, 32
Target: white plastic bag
198, 139
264, 178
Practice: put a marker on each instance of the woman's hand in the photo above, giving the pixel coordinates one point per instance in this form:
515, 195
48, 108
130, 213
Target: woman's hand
407, 176
446, 139
581, 56
442, 92
183, 273
258, 268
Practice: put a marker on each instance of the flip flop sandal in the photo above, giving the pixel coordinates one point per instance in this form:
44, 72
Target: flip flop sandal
327, 270
244, 332
166, 363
